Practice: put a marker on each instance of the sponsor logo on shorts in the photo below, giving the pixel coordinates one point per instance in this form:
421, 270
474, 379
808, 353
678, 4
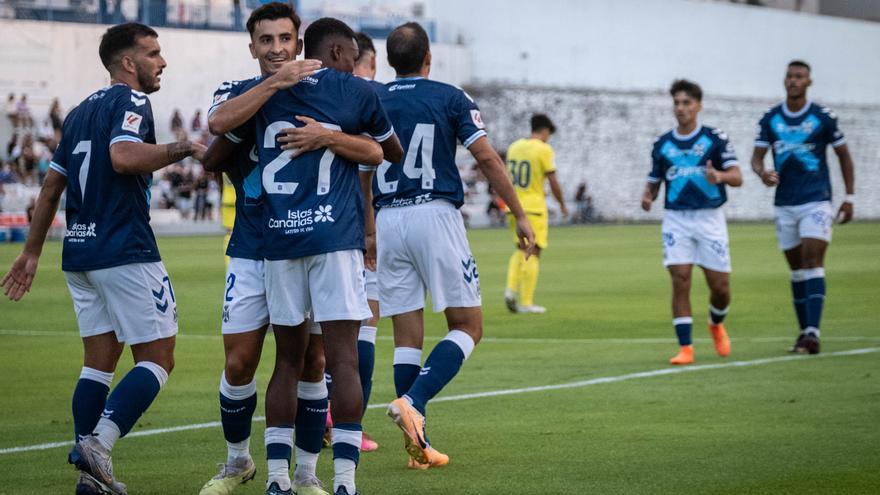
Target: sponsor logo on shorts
821, 219
720, 249
417, 200
79, 232
225, 313
668, 239
469, 271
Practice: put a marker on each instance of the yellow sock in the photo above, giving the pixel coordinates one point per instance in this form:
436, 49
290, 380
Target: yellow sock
528, 280
513, 268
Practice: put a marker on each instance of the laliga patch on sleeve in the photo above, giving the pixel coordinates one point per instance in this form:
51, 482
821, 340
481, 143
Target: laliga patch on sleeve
221, 98
478, 121
132, 122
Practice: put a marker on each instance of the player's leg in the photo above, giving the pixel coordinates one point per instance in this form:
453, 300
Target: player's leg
339, 303
682, 318
679, 256
281, 402
813, 273
790, 244
288, 300
140, 301
409, 337
311, 413
719, 304
514, 269
340, 339
367, 349
713, 256
530, 267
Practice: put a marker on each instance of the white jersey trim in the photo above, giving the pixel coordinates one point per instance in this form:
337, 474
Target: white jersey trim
129, 139
58, 168
471, 140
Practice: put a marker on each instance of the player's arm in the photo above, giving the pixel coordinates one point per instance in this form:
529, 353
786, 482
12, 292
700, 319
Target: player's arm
769, 177
217, 157
732, 176
492, 167
847, 169
392, 150
556, 190
21, 274
236, 112
313, 136
131, 158
650, 194
366, 178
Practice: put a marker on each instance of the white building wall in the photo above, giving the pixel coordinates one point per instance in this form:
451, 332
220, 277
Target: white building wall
732, 50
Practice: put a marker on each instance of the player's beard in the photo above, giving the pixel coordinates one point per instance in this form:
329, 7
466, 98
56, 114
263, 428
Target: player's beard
148, 82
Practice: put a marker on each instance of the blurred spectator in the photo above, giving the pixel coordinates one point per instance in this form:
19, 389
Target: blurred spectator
196, 124
496, 209
23, 113
176, 122
26, 159
201, 201
56, 118
9, 110
583, 201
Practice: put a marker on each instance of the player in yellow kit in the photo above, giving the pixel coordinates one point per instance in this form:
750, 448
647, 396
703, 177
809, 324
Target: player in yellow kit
227, 211
530, 161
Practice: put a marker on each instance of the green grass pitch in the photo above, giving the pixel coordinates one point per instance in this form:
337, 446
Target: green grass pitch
805, 425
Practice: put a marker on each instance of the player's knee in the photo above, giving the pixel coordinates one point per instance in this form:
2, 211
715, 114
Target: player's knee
371, 321
680, 280
240, 369
313, 367
472, 327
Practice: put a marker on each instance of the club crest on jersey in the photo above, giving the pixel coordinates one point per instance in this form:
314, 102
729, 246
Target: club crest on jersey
131, 122
478, 120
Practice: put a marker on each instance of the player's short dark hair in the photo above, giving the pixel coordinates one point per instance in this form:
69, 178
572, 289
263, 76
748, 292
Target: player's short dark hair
541, 121
407, 46
800, 63
690, 88
365, 44
270, 12
122, 37
323, 29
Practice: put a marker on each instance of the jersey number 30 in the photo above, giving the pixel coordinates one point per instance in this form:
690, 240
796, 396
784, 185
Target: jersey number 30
274, 187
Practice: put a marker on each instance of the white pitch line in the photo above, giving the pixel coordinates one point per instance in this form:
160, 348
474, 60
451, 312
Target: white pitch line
501, 340
496, 393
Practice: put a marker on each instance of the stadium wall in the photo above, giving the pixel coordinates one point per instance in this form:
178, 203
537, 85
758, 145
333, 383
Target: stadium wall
604, 138
48, 60
642, 45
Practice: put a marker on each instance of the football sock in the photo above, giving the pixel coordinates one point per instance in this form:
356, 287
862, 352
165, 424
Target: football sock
514, 266
279, 446
128, 401
366, 347
683, 325
311, 416
88, 401
529, 280
440, 368
328, 382
237, 406
716, 315
814, 279
346, 453
799, 296
407, 364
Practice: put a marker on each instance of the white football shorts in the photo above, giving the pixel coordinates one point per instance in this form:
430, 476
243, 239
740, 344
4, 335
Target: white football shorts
696, 237
244, 300
329, 285
136, 301
424, 248
371, 282
809, 220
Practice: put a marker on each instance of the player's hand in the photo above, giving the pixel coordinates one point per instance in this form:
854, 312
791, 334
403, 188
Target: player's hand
18, 281
198, 151
563, 210
293, 72
845, 213
712, 175
770, 178
526, 235
647, 200
370, 252
311, 136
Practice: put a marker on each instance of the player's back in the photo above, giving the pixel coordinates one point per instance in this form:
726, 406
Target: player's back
428, 117
313, 200
108, 213
528, 162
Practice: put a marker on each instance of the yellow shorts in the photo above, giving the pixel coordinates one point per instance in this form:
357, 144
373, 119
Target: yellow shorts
539, 225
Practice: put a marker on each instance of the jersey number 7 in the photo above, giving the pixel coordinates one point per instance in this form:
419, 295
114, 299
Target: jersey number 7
270, 185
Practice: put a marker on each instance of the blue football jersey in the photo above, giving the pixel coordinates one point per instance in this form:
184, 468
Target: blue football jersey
246, 240
681, 161
108, 214
313, 202
799, 142
429, 117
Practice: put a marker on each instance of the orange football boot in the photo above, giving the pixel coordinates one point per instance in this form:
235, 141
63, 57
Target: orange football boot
685, 355
412, 423
719, 336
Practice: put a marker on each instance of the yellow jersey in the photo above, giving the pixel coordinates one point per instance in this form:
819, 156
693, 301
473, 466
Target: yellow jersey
528, 162
228, 204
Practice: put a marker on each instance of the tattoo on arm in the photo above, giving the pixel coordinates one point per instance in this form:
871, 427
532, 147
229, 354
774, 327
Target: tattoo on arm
178, 151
